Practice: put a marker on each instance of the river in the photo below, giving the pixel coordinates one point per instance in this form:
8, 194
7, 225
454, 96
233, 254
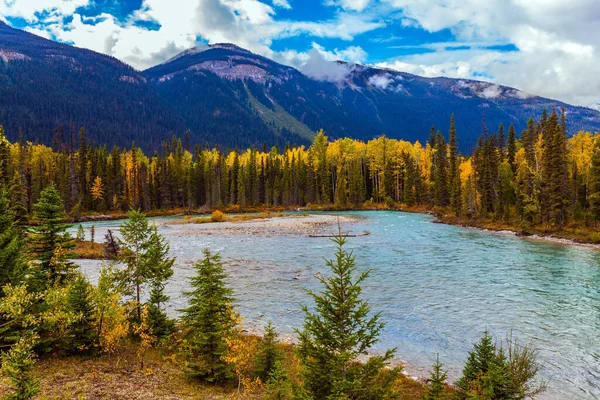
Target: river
438, 287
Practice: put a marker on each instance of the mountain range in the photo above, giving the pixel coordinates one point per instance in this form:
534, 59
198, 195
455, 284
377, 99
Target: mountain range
227, 96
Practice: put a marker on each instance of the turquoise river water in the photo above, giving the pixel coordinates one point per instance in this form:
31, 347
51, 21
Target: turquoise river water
438, 286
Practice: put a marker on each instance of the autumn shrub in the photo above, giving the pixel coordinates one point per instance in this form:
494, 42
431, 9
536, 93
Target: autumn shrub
218, 216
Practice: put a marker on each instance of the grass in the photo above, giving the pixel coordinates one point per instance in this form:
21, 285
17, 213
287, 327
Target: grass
112, 377
89, 250
121, 377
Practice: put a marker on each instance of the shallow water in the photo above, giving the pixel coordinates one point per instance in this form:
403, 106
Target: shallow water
438, 286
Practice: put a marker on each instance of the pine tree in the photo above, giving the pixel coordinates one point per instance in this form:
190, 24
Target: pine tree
441, 197
454, 172
437, 379
4, 160
49, 240
11, 244
338, 332
160, 270
512, 148
92, 234
280, 385
135, 233
595, 183
80, 233
268, 353
83, 335
209, 320
17, 365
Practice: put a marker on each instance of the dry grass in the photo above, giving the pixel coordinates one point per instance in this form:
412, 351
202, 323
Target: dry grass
120, 378
89, 250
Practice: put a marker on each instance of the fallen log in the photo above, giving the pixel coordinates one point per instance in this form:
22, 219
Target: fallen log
344, 235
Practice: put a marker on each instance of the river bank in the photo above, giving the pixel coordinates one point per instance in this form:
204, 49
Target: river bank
568, 235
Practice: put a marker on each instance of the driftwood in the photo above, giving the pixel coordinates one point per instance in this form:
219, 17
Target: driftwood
344, 235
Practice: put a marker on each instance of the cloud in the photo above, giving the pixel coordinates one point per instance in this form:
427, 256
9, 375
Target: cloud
354, 5
250, 24
282, 4
318, 67
381, 81
318, 63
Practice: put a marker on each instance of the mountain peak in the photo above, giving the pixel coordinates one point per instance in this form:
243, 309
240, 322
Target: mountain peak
204, 48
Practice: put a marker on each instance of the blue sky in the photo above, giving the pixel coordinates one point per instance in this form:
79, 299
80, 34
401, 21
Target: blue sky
545, 47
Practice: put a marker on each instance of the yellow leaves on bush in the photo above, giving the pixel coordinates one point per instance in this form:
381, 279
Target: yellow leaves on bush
241, 353
144, 332
218, 216
111, 317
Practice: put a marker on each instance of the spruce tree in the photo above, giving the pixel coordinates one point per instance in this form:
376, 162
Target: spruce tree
11, 244
83, 336
135, 233
208, 319
338, 332
454, 171
17, 365
268, 353
595, 183
441, 197
511, 150
49, 240
160, 270
4, 160
80, 233
437, 379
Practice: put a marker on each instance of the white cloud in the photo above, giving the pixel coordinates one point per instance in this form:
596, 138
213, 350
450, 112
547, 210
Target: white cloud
282, 4
27, 9
381, 81
318, 63
354, 5
248, 23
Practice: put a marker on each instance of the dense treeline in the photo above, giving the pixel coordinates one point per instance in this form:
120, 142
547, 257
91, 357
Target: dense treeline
538, 176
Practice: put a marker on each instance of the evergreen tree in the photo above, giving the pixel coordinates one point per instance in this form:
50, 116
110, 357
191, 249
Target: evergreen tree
4, 160
268, 354
455, 184
92, 233
11, 244
17, 365
280, 385
83, 336
441, 197
555, 172
135, 232
437, 379
595, 183
338, 332
80, 233
512, 148
160, 270
49, 240
209, 319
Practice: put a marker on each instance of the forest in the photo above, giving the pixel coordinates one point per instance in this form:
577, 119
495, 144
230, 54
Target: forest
536, 179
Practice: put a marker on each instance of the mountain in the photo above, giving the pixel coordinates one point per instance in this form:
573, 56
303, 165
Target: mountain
45, 85
367, 102
229, 96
